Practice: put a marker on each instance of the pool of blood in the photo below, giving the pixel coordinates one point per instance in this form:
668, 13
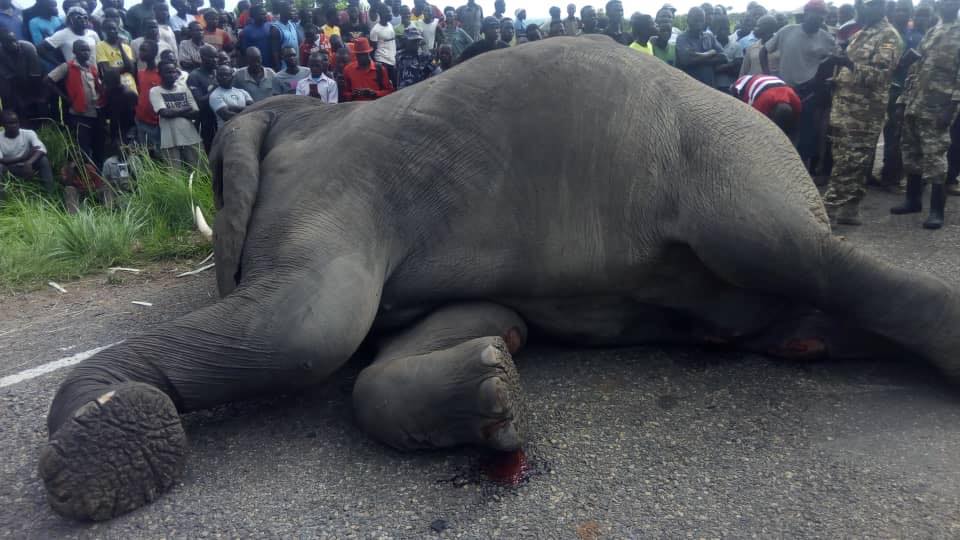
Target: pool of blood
508, 468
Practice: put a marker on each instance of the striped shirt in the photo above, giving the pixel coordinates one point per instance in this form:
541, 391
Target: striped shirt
749, 87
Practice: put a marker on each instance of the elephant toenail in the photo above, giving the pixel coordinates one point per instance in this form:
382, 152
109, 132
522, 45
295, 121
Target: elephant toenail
490, 356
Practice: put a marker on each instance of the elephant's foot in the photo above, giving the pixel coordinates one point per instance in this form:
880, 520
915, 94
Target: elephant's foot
467, 394
115, 454
500, 398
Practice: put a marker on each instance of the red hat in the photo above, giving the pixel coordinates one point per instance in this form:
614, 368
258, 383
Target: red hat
362, 45
818, 5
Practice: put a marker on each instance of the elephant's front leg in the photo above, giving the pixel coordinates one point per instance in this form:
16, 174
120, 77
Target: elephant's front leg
116, 441
449, 380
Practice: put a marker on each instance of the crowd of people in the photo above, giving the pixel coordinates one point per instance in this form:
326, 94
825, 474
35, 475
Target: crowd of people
167, 77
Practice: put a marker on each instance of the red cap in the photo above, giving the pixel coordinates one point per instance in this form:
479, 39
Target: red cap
817, 5
362, 45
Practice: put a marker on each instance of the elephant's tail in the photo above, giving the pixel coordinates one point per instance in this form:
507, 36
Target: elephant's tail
235, 163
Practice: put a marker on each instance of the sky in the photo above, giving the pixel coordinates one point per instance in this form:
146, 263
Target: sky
538, 9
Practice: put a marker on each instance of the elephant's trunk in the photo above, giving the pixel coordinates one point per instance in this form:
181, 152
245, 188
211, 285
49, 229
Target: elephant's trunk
235, 164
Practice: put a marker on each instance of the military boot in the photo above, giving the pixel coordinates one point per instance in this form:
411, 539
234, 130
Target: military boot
938, 199
849, 214
914, 202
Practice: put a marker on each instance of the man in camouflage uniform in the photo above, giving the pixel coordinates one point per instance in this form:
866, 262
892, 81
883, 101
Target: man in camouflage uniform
859, 104
929, 104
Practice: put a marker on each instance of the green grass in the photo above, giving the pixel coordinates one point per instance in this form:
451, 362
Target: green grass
39, 241
58, 143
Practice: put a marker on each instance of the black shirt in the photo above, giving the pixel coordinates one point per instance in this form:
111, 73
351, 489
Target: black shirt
620, 37
479, 47
350, 32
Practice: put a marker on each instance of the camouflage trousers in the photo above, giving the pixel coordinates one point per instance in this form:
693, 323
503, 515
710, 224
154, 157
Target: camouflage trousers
854, 143
925, 148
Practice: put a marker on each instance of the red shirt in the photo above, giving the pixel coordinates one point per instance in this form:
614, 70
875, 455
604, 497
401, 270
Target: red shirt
356, 77
146, 79
244, 18
764, 92
218, 38
71, 177
333, 56
306, 49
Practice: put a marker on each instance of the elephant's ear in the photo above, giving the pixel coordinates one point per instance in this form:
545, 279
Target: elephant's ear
235, 163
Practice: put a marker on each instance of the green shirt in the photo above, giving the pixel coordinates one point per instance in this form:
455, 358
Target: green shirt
668, 55
648, 48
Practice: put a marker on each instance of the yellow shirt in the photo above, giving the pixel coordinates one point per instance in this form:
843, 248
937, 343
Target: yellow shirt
330, 30
107, 53
644, 49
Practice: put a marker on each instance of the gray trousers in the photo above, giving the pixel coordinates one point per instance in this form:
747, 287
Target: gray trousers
180, 157
41, 171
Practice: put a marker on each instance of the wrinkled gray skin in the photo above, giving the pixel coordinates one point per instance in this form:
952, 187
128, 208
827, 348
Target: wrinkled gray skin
599, 199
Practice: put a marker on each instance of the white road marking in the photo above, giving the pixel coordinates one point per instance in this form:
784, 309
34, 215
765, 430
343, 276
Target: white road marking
31, 373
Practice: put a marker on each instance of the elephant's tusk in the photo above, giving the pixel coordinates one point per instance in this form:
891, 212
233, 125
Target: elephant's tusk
201, 222
202, 226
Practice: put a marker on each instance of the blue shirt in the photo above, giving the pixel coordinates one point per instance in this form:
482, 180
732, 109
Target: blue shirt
14, 22
288, 38
412, 68
687, 46
747, 41
41, 28
912, 39
520, 28
259, 37
288, 34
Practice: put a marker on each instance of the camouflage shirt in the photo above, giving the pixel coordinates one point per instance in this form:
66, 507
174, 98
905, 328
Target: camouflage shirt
874, 51
934, 80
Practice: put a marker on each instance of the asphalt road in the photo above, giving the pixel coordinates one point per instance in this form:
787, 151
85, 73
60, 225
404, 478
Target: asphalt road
642, 442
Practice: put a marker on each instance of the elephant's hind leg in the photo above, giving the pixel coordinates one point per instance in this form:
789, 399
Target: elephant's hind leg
794, 257
449, 380
116, 442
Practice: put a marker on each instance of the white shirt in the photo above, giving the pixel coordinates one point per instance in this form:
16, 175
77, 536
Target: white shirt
63, 40
326, 87
135, 46
429, 33
386, 40
228, 97
177, 24
20, 146
167, 36
177, 131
